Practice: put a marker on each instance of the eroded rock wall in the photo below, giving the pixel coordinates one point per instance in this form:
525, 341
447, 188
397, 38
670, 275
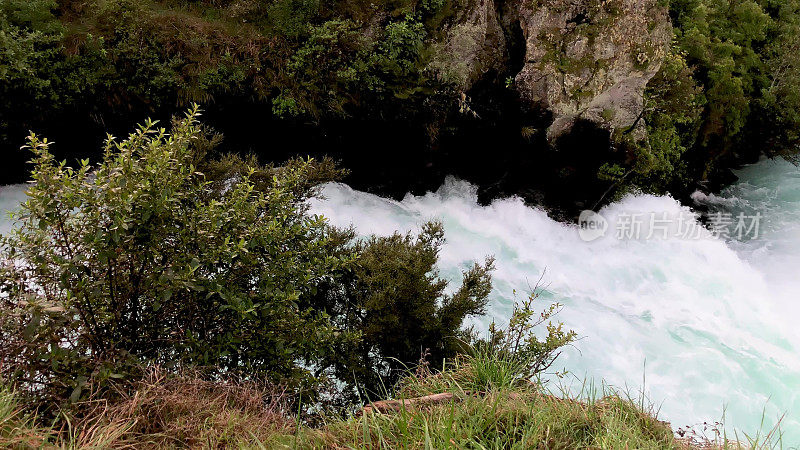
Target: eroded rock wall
591, 59
473, 44
584, 59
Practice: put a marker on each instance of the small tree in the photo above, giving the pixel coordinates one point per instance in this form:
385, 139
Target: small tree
516, 354
142, 260
513, 357
393, 296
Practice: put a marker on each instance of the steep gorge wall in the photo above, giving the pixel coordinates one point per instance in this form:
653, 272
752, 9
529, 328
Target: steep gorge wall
473, 88
583, 59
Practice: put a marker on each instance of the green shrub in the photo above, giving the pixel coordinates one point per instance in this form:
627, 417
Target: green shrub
395, 299
291, 18
160, 255
25, 56
725, 92
723, 40
38, 78
138, 260
398, 53
673, 107
33, 15
29, 52
338, 69
743, 56
515, 354
322, 69
510, 358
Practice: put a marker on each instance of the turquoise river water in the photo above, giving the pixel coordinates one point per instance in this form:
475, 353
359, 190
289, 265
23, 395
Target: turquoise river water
706, 324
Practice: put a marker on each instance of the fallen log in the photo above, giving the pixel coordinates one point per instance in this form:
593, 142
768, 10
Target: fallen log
385, 406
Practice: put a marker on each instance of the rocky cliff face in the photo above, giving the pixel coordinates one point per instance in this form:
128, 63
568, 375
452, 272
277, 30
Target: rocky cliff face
591, 59
472, 45
583, 59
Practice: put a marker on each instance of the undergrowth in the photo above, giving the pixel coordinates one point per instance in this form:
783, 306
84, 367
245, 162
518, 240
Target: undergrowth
188, 412
489, 397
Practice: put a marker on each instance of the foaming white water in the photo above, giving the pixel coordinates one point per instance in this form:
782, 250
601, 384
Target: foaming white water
710, 323
10, 198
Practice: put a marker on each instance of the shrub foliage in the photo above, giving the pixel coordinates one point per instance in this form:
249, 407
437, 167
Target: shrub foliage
144, 259
136, 261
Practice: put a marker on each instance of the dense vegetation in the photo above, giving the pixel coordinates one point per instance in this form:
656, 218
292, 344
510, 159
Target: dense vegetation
302, 58
144, 260
726, 93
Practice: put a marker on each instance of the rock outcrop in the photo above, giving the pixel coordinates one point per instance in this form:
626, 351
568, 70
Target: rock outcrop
583, 59
472, 45
591, 59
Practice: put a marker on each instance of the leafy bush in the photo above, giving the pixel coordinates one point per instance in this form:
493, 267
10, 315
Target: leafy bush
743, 57
34, 15
725, 93
673, 107
339, 69
332, 56
723, 40
138, 260
399, 52
29, 48
395, 299
159, 255
39, 79
510, 358
292, 17
516, 354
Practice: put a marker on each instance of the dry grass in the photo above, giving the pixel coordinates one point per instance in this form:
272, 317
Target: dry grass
188, 411
160, 411
17, 429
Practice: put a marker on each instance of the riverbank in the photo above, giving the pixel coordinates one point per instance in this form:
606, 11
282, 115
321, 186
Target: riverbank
433, 411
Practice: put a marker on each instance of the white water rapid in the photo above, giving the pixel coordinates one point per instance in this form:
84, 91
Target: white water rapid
710, 323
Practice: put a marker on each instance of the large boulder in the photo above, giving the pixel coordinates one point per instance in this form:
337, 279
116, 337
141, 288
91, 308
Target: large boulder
472, 44
590, 59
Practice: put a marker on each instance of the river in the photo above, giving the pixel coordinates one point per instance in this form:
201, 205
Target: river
704, 323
